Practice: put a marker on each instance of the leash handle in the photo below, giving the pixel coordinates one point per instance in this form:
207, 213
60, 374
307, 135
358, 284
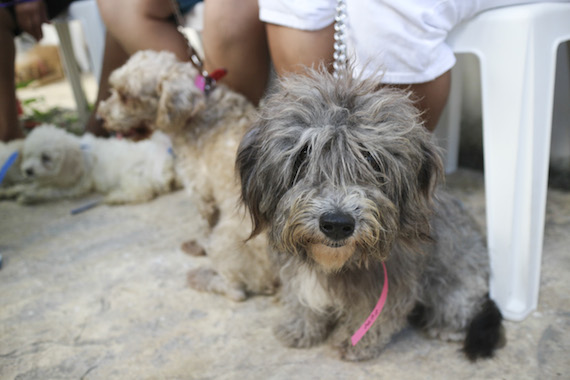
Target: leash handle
340, 55
194, 58
208, 81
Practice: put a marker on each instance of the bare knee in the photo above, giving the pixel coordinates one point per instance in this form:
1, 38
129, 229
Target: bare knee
234, 38
132, 14
230, 23
292, 49
431, 97
109, 11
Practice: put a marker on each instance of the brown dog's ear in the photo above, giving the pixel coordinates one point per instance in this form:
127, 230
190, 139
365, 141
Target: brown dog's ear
247, 164
179, 100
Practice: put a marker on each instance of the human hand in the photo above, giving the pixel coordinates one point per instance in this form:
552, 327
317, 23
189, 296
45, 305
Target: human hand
30, 16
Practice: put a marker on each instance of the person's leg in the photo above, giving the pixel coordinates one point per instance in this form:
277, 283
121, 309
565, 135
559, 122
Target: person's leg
234, 39
431, 98
292, 49
113, 57
9, 124
143, 24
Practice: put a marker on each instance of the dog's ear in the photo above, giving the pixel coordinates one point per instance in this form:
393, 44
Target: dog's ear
247, 164
417, 202
71, 166
178, 102
431, 169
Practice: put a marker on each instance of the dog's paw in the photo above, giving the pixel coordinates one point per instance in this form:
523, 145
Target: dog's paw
25, 199
208, 280
7, 194
298, 333
119, 197
192, 248
235, 293
358, 353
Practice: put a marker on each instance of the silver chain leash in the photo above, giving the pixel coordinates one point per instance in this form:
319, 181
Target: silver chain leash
209, 81
340, 55
195, 59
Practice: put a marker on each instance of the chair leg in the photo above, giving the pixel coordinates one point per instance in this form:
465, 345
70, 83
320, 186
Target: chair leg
93, 29
72, 71
448, 130
518, 91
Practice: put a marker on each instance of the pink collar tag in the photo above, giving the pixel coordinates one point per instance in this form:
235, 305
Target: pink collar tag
375, 312
200, 82
207, 83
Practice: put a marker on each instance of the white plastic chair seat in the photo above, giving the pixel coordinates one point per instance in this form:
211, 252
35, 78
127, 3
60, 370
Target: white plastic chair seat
516, 47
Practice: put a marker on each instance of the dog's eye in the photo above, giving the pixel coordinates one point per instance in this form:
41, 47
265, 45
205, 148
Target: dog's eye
123, 97
301, 157
372, 161
300, 160
46, 159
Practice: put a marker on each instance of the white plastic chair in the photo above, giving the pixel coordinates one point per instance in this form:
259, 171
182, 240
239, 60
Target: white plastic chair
87, 12
516, 47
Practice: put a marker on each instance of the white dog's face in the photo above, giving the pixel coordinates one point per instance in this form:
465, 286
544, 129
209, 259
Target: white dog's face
51, 155
43, 163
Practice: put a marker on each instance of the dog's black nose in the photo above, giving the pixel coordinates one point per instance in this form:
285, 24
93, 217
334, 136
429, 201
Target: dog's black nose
29, 172
337, 225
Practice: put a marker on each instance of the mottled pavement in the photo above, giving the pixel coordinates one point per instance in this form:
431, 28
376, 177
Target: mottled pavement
102, 295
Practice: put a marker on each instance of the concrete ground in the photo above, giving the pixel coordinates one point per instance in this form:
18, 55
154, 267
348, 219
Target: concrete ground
102, 295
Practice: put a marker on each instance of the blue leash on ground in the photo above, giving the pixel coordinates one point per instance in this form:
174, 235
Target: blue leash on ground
86, 206
7, 165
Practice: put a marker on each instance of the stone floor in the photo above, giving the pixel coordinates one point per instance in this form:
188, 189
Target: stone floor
102, 295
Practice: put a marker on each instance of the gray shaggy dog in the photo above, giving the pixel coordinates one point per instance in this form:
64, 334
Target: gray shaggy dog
343, 176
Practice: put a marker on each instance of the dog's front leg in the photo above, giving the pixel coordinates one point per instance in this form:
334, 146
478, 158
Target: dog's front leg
36, 193
391, 320
303, 327
371, 344
124, 196
13, 191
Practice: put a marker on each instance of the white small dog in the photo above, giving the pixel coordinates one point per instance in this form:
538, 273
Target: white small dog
62, 165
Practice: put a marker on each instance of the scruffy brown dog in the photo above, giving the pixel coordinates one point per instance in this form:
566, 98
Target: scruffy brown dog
342, 175
154, 90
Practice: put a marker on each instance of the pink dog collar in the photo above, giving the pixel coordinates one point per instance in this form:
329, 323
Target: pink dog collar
375, 312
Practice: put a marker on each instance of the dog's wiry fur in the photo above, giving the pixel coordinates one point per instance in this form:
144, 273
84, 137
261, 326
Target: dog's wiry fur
61, 165
343, 176
155, 90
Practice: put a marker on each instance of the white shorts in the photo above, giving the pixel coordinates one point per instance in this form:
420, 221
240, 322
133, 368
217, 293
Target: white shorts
402, 39
298, 14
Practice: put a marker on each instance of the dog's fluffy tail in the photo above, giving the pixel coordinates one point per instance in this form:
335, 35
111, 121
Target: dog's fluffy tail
485, 332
